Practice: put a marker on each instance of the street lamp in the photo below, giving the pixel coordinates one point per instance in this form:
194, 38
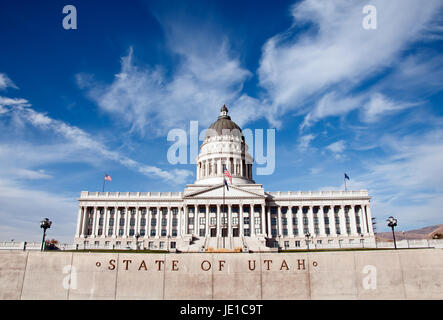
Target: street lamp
137, 235
362, 240
392, 222
45, 224
307, 236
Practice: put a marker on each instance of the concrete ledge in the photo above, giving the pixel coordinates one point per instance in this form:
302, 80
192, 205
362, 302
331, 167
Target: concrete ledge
387, 274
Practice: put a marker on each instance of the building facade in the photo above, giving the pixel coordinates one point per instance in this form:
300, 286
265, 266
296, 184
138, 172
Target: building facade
207, 215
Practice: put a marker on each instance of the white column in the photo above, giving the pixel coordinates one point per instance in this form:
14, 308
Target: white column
159, 221
186, 218
168, 221
240, 220
361, 214
229, 220
181, 222
279, 222
262, 220
137, 221
218, 220
105, 222
341, 215
116, 222
95, 223
321, 222
252, 219
310, 216
269, 222
289, 221
370, 226
300, 222
207, 220
78, 232
331, 216
351, 214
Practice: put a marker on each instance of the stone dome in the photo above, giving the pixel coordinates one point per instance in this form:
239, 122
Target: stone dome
223, 122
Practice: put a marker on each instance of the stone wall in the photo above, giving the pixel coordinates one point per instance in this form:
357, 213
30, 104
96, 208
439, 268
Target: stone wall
382, 274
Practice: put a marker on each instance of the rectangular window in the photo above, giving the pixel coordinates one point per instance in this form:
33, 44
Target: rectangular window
246, 220
235, 209
142, 232
328, 232
326, 220
286, 244
294, 221
174, 211
274, 221
110, 231
172, 244
122, 222
100, 232
153, 222
295, 231
273, 210
120, 232
191, 220
174, 222
247, 232
257, 230
358, 230
274, 232
202, 220
142, 222
234, 220
284, 210
164, 221
191, 210
131, 232
316, 230
315, 220
111, 222
246, 209
257, 221
132, 222
162, 245
163, 233
174, 232
297, 244
213, 220
202, 209
257, 209
154, 211
100, 221
152, 232
285, 232
357, 220
305, 221
202, 232
284, 221
294, 210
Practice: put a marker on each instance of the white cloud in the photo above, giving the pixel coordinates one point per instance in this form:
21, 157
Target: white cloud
305, 141
337, 147
379, 105
81, 140
149, 102
336, 50
5, 82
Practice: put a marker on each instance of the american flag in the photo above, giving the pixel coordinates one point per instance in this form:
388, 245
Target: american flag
227, 174
108, 177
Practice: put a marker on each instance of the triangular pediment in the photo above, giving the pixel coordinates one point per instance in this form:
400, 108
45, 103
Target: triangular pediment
216, 192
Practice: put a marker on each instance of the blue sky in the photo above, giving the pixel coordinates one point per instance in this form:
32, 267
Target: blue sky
75, 104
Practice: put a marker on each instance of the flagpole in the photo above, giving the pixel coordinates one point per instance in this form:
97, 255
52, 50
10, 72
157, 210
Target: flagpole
103, 189
345, 184
223, 211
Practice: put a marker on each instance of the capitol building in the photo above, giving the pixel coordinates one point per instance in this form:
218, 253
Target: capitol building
207, 216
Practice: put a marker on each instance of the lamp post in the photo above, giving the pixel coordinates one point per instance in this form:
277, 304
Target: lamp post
45, 224
392, 222
307, 236
362, 240
137, 235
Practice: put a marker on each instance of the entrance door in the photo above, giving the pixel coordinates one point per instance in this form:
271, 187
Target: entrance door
224, 232
235, 232
213, 232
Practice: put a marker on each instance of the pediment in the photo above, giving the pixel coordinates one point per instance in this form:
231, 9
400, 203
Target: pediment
216, 192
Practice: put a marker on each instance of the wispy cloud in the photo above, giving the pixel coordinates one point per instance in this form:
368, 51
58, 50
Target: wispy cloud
80, 139
336, 51
5, 82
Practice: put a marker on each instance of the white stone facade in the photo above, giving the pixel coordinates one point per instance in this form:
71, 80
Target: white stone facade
252, 219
